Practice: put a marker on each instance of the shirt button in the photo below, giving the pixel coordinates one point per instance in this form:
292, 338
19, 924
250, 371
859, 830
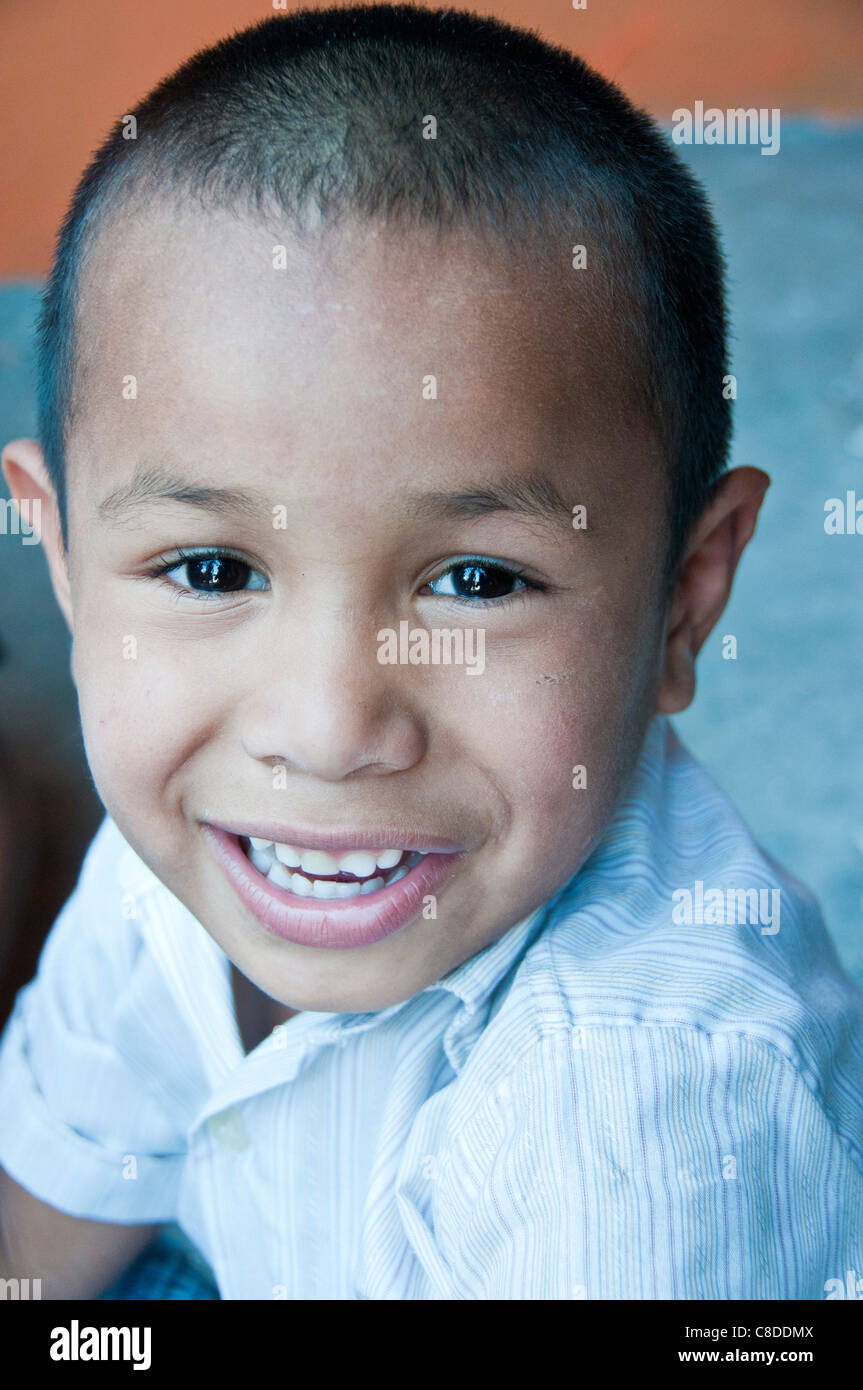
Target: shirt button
228, 1130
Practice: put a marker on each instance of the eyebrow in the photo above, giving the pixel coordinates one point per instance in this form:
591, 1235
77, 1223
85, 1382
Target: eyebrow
154, 485
532, 495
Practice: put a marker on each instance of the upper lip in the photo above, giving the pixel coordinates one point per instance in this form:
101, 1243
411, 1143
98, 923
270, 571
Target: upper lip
309, 837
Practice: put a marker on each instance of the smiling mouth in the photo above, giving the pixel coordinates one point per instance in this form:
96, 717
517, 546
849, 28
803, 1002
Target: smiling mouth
339, 893
316, 873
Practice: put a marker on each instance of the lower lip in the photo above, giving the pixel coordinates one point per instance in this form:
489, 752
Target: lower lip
330, 922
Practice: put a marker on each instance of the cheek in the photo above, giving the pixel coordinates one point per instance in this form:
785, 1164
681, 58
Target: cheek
539, 735
137, 710
580, 705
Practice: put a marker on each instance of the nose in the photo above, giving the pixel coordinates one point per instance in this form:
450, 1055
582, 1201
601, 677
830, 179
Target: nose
323, 705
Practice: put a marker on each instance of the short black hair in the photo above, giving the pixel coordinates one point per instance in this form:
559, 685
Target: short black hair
324, 109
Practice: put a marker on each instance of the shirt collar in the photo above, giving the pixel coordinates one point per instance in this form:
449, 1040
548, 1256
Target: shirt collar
643, 829
193, 965
476, 979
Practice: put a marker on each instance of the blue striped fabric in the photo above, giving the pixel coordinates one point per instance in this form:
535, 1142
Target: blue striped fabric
634, 1093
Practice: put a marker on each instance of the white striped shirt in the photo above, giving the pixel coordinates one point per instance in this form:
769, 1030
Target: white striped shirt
605, 1103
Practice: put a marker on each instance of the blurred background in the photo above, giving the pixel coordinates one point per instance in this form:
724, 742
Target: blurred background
780, 726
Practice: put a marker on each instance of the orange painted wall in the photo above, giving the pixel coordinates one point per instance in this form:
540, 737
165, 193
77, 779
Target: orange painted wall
68, 68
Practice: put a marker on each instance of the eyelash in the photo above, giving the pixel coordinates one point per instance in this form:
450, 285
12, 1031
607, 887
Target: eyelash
497, 566
182, 557
514, 572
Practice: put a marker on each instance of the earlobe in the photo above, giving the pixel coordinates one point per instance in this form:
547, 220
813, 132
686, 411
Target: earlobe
676, 689
27, 476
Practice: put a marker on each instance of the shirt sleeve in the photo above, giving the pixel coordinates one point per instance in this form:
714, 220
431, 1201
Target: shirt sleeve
641, 1162
81, 1126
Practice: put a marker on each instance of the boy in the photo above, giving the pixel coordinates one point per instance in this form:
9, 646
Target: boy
373, 327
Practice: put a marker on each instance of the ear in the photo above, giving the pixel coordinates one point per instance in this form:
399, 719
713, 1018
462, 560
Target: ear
25, 472
715, 546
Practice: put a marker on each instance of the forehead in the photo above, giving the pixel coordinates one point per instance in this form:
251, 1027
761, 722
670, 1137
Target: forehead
222, 336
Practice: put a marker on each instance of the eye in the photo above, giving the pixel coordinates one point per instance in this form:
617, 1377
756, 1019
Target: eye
479, 580
209, 573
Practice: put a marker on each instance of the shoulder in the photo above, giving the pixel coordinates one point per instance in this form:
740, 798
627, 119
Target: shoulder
628, 1125
637, 1160
96, 940
97, 972
92, 1065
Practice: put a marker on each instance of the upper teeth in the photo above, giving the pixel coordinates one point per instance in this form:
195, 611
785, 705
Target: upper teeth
371, 868
362, 863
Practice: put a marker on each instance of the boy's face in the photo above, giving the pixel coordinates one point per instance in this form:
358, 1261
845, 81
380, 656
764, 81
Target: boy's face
383, 403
